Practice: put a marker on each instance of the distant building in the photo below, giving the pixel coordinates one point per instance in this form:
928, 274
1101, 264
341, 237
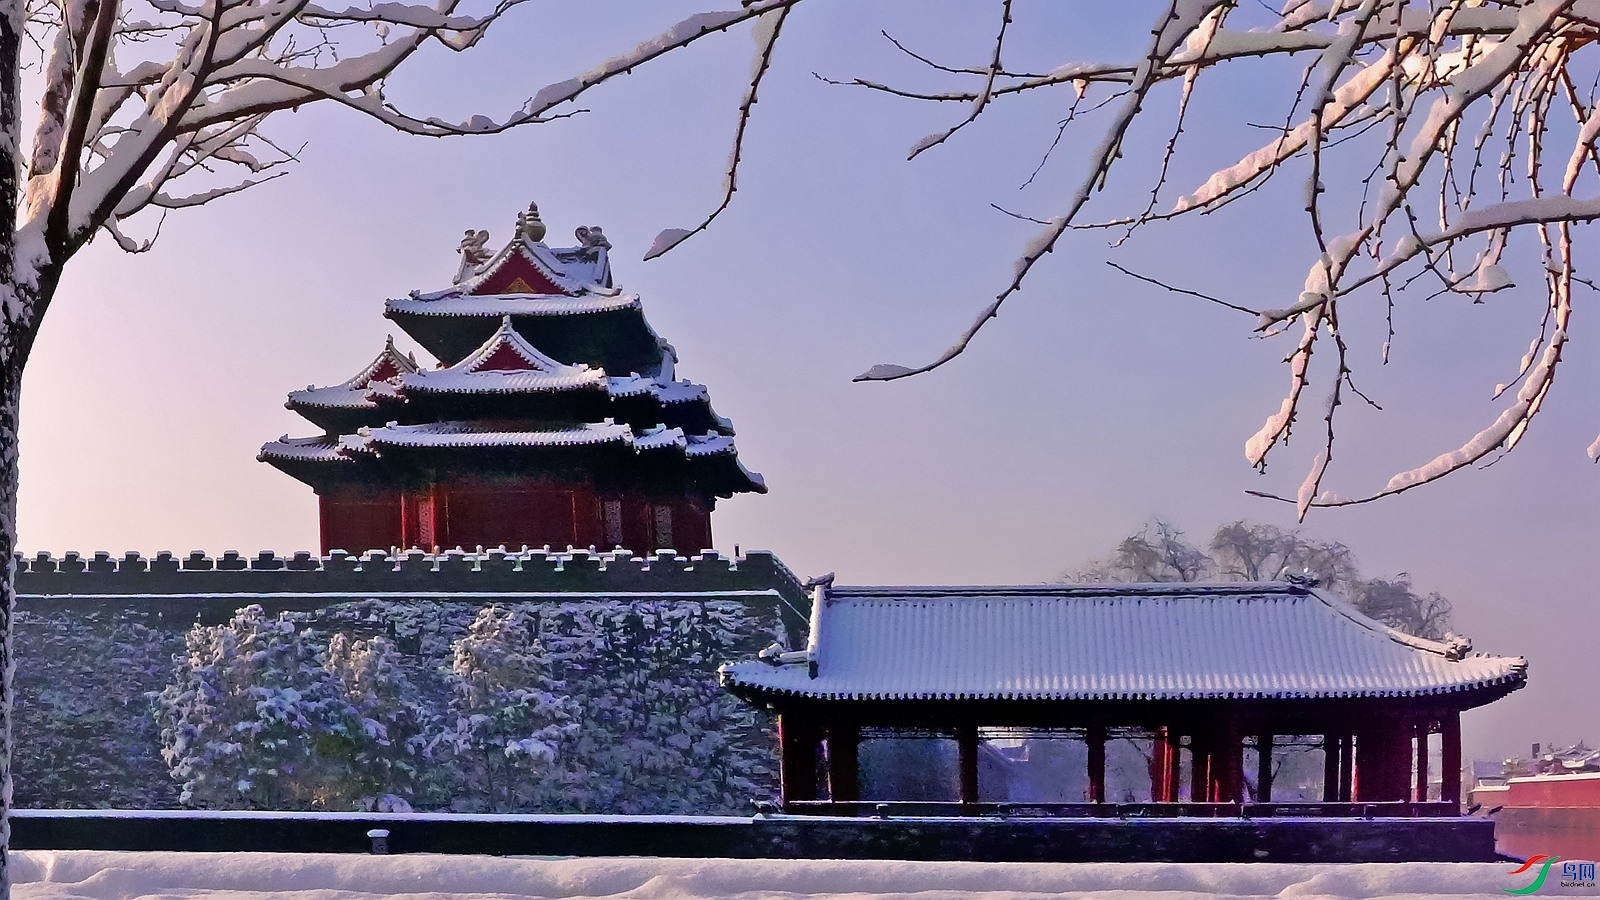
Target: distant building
554, 418
1197, 696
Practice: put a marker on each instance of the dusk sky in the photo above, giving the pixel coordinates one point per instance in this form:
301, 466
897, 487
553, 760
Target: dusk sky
1093, 404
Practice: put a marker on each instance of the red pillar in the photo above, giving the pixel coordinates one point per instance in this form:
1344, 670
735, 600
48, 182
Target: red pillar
1230, 772
1160, 762
1097, 764
1330, 768
1174, 765
1450, 759
1347, 768
1200, 765
797, 767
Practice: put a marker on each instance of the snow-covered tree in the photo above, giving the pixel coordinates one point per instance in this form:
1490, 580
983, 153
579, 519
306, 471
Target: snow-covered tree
387, 764
1251, 551
511, 719
253, 720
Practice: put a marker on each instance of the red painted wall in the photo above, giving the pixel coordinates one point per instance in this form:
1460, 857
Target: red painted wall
358, 522
534, 514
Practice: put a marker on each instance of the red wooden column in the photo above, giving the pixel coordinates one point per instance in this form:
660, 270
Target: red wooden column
1160, 765
1264, 768
797, 766
1097, 763
1450, 759
1200, 766
967, 759
1331, 744
844, 770
1420, 792
1174, 765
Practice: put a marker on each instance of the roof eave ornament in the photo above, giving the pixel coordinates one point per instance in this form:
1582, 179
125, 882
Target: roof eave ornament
474, 252
529, 226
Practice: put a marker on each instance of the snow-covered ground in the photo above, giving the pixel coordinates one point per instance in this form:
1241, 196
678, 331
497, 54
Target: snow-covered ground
60, 875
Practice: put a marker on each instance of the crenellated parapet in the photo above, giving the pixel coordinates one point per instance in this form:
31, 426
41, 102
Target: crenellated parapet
306, 580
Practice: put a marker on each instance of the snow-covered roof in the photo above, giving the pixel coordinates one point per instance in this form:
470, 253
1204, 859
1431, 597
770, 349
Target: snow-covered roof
481, 434
352, 393
571, 270
506, 363
1105, 642
452, 303
682, 391
323, 448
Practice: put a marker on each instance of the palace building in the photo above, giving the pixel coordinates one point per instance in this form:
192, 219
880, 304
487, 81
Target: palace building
554, 417
1272, 698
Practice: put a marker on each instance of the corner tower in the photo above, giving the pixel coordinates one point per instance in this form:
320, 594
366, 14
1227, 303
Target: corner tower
554, 417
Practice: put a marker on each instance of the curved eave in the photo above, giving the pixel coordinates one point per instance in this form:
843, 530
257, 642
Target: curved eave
1476, 693
498, 306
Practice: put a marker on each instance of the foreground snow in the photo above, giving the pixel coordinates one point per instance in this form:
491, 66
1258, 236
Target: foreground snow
93, 875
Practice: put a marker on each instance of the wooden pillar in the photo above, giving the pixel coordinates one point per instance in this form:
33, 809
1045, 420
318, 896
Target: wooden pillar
1230, 772
1347, 768
967, 758
797, 766
1097, 764
1174, 765
1450, 758
1420, 732
1264, 768
844, 778
1200, 764
1330, 768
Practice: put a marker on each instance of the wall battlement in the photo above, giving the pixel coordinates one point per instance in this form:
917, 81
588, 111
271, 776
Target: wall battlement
412, 572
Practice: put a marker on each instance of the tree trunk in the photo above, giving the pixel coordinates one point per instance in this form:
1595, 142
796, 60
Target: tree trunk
10, 385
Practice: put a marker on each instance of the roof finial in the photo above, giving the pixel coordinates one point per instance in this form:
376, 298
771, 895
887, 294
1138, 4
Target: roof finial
592, 238
474, 253
529, 225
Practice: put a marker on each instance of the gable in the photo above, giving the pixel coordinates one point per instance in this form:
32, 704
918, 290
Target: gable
516, 274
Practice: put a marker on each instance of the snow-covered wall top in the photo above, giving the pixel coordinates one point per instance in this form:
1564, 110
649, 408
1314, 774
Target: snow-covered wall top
413, 573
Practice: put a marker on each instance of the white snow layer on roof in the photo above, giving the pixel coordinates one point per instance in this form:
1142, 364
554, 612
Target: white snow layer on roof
451, 303
322, 448
352, 393
1114, 642
122, 875
470, 376
571, 269
476, 434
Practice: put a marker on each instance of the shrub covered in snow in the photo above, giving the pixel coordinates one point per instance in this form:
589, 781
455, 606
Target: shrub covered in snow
594, 705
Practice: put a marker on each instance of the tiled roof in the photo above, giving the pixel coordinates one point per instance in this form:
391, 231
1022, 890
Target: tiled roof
475, 434
479, 371
352, 393
452, 303
1131, 642
324, 448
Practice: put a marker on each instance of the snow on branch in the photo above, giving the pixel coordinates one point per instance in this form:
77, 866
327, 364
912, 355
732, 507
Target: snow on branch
1450, 121
768, 28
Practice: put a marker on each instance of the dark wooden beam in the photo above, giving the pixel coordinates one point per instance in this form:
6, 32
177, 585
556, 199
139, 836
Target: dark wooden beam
1264, 768
967, 758
844, 770
1450, 761
1330, 768
1420, 734
797, 767
1097, 763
